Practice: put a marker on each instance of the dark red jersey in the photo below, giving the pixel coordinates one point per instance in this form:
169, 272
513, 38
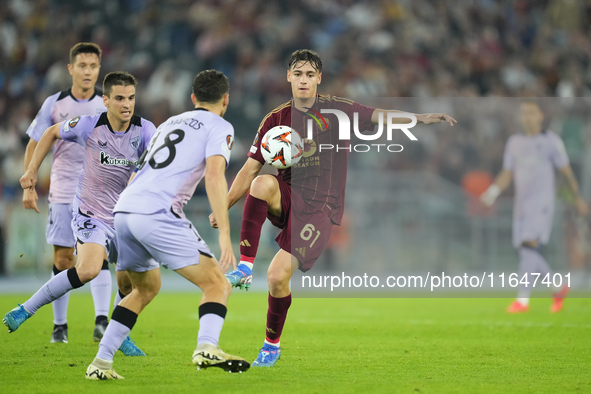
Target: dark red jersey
320, 176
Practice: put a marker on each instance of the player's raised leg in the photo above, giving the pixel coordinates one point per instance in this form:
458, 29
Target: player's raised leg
278, 275
264, 197
90, 258
63, 259
145, 287
212, 313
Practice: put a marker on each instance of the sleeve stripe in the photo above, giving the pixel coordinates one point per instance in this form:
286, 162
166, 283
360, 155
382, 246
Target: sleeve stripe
281, 107
343, 100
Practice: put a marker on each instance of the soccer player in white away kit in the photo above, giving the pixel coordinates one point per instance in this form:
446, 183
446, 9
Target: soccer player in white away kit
531, 159
152, 230
113, 142
81, 99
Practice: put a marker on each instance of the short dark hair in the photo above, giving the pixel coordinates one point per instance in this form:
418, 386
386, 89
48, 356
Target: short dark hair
305, 55
210, 86
84, 47
117, 78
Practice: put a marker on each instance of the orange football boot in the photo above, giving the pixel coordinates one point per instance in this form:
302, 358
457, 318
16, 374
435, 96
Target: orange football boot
558, 302
517, 307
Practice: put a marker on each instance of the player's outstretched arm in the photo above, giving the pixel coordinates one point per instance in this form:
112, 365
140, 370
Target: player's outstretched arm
500, 184
240, 186
421, 118
29, 179
30, 196
582, 207
244, 178
217, 193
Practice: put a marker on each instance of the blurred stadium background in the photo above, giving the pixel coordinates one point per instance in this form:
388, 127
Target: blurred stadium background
412, 49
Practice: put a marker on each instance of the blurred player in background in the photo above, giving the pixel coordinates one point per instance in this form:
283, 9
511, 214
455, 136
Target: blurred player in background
531, 159
113, 142
81, 99
316, 196
152, 228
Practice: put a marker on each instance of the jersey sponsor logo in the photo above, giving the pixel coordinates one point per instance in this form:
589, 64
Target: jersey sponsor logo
74, 121
107, 160
230, 141
101, 143
309, 147
134, 142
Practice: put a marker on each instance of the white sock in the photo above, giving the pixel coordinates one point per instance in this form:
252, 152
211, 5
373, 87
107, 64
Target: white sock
101, 293
49, 292
272, 344
210, 327
523, 301
60, 308
114, 336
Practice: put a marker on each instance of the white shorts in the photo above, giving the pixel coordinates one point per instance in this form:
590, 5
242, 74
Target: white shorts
147, 240
89, 230
59, 226
532, 227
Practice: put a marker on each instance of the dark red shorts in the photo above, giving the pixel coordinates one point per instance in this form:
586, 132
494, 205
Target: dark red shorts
311, 230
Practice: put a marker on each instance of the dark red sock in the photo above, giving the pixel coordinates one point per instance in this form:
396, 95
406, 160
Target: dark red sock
276, 315
253, 217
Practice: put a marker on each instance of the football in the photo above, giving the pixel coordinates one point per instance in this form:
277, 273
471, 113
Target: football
282, 147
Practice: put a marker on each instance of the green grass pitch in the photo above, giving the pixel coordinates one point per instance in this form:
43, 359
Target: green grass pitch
329, 346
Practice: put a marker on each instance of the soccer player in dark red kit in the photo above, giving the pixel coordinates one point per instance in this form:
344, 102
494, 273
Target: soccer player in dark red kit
307, 201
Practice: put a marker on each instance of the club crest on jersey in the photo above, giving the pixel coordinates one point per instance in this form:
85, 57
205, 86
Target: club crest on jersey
74, 121
134, 142
86, 234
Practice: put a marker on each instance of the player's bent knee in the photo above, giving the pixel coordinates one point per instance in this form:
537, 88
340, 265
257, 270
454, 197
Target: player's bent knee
218, 283
278, 278
147, 293
264, 187
63, 263
63, 258
87, 272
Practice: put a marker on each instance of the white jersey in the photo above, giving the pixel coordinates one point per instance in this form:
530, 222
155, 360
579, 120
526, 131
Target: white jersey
175, 162
533, 160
